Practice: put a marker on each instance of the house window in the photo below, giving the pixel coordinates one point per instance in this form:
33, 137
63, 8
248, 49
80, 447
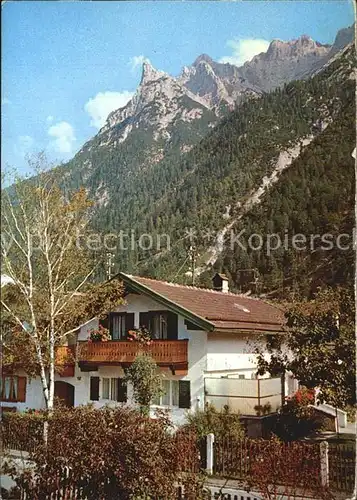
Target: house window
241, 377
12, 388
114, 389
170, 396
105, 388
117, 326
158, 325
165, 398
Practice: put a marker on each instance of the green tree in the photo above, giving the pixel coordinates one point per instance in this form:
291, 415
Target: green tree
319, 348
146, 380
44, 252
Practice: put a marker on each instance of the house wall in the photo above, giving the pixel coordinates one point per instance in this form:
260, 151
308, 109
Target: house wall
231, 354
197, 359
209, 355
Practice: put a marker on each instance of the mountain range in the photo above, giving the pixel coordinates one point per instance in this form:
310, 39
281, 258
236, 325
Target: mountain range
205, 149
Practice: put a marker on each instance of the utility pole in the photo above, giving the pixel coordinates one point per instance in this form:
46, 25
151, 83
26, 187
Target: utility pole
110, 265
192, 256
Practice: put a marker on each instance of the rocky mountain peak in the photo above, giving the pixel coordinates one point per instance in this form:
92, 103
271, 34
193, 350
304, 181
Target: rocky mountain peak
301, 46
216, 86
344, 37
149, 73
203, 58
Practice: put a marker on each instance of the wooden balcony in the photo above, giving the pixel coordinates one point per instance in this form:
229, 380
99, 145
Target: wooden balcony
169, 353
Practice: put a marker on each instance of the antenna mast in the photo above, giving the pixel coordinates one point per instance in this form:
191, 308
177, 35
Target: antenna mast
192, 256
110, 265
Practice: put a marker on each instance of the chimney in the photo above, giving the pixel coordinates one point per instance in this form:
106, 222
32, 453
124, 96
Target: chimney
220, 283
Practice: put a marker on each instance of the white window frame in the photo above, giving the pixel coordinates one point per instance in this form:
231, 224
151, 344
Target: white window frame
111, 389
105, 382
160, 320
161, 400
121, 319
9, 388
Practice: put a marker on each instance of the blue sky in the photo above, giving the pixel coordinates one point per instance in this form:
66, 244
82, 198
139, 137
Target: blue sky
65, 65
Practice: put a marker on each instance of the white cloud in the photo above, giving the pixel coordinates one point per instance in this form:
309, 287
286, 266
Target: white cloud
137, 61
63, 137
103, 103
244, 50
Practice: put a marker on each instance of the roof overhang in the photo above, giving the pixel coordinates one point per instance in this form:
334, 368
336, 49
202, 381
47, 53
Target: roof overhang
137, 287
249, 330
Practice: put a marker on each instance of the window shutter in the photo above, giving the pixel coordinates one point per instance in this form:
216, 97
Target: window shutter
184, 394
122, 391
94, 389
171, 326
21, 389
144, 319
129, 322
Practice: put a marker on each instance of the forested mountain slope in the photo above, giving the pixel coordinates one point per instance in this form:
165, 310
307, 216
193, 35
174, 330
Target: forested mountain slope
165, 164
314, 194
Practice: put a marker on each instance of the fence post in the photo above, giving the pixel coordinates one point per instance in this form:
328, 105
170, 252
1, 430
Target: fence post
209, 453
324, 463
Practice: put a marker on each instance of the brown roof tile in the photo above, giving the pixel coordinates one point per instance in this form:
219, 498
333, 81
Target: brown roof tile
226, 311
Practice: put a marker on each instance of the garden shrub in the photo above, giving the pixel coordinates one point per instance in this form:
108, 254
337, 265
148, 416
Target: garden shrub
110, 454
22, 431
297, 418
221, 423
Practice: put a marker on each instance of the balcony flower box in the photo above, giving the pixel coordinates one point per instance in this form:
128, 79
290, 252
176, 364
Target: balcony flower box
140, 335
99, 334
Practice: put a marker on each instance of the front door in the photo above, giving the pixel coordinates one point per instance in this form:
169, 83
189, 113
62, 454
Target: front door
64, 392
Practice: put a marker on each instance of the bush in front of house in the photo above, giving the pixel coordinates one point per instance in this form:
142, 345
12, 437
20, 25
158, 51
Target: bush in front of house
221, 423
22, 431
297, 418
109, 454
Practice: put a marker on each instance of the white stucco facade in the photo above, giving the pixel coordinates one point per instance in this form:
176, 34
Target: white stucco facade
232, 352
209, 355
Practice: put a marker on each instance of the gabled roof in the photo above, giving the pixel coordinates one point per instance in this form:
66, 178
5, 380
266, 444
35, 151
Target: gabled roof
211, 309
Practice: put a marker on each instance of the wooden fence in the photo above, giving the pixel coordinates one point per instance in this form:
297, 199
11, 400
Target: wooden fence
64, 487
22, 434
246, 459
342, 466
331, 465
299, 462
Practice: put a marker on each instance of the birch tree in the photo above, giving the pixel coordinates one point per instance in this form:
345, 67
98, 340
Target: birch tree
44, 252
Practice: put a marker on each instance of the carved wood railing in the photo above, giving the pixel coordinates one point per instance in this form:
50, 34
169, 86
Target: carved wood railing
122, 351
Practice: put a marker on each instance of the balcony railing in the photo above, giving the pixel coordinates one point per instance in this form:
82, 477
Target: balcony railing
164, 352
